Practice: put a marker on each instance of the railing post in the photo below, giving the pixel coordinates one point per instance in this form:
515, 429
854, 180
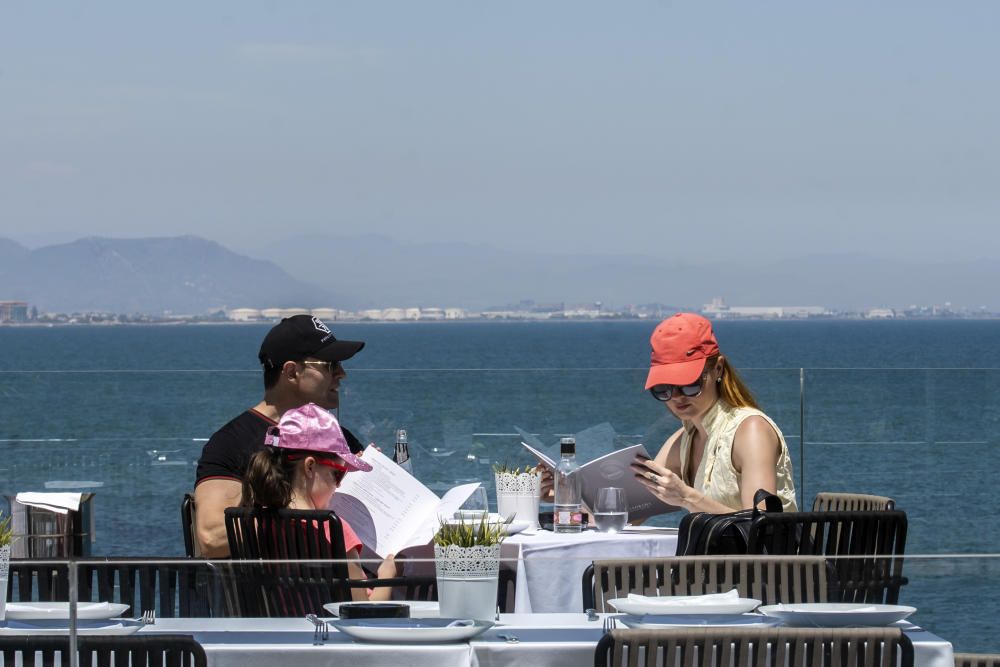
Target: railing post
802, 435
74, 593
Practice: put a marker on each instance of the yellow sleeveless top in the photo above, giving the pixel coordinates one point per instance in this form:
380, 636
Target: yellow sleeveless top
716, 477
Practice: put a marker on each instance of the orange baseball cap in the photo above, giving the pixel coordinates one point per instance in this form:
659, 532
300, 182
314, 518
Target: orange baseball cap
681, 344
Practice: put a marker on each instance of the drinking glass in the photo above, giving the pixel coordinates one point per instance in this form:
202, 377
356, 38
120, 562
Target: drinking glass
476, 506
610, 510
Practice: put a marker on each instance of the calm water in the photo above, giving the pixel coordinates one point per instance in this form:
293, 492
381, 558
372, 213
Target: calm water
905, 409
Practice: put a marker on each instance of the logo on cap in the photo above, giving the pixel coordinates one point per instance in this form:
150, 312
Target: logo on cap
318, 323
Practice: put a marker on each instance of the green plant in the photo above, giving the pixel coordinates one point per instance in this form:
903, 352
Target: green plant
504, 468
471, 533
6, 532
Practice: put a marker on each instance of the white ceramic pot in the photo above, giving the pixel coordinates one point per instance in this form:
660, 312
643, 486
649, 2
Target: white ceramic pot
467, 580
517, 496
4, 571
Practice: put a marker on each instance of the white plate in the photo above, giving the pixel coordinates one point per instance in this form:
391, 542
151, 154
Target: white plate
418, 608
837, 615
410, 630
119, 626
662, 606
25, 611
653, 621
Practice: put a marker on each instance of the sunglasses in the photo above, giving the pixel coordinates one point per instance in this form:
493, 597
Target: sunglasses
339, 469
329, 365
664, 392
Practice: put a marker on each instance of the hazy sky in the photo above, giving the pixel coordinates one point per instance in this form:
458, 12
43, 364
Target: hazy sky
699, 129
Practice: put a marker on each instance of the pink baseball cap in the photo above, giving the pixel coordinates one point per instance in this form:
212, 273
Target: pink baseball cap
681, 345
310, 428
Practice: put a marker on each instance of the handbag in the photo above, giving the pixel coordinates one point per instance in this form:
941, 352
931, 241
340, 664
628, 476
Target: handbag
703, 533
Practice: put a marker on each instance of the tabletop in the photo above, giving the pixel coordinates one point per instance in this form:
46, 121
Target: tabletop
559, 640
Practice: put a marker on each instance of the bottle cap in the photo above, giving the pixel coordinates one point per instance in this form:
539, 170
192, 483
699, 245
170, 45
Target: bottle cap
567, 446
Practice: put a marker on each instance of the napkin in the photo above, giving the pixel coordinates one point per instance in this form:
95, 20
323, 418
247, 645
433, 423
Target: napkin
60, 503
686, 600
463, 623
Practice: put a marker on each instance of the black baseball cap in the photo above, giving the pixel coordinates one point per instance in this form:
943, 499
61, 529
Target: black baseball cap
301, 336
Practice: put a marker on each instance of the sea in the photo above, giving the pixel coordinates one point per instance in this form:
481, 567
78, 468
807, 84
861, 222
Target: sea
904, 408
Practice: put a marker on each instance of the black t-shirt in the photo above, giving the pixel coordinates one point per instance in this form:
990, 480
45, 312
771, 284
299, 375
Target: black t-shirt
227, 453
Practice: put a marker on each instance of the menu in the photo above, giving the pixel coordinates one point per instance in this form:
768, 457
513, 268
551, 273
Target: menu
613, 470
390, 509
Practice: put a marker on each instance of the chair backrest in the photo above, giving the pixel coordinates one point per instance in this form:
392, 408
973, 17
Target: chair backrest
285, 589
743, 647
172, 587
851, 502
865, 548
187, 526
134, 650
977, 660
770, 579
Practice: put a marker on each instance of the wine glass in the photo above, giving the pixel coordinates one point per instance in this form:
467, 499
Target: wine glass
610, 510
476, 506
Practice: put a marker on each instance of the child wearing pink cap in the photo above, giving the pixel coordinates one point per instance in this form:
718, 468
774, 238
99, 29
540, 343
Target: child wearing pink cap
726, 448
304, 461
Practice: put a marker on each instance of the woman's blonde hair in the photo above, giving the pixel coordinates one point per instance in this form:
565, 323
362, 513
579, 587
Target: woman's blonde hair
732, 389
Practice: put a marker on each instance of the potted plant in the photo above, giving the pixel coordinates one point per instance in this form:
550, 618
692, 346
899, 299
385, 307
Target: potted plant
6, 537
467, 558
517, 493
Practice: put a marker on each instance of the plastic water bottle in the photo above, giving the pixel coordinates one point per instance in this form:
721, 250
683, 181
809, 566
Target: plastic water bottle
567, 512
401, 453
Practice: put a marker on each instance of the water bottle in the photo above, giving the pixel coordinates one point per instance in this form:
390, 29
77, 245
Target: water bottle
567, 512
401, 453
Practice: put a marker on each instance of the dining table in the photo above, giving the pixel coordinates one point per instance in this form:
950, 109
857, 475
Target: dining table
553, 639
550, 566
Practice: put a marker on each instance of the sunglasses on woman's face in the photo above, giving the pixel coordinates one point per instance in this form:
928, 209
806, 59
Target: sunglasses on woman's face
339, 469
664, 392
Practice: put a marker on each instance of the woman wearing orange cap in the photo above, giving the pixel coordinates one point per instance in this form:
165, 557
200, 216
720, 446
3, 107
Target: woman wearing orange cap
726, 448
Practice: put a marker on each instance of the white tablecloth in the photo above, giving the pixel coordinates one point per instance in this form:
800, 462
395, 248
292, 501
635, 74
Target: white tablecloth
550, 565
556, 640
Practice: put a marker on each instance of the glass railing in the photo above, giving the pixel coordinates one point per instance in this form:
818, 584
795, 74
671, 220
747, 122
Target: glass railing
954, 597
925, 437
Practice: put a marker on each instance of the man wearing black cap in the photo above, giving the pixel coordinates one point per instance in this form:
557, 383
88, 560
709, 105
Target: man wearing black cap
301, 360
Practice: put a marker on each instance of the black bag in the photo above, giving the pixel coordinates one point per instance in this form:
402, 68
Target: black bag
702, 533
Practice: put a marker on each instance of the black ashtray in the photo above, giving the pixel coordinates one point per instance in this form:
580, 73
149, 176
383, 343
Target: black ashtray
373, 610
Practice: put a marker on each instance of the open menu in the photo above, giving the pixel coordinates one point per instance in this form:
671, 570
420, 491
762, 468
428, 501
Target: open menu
390, 509
613, 470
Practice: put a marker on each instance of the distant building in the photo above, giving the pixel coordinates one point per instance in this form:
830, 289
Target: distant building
880, 314
13, 311
324, 313
243, 314
718, 309
271, 313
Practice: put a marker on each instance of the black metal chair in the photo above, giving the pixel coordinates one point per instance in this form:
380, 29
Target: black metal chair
865, 548
170, 586
851, 502
131, 651
268, 589
770, 579
977, 660
757, 647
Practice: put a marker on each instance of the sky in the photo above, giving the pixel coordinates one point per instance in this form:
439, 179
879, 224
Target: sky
705, 130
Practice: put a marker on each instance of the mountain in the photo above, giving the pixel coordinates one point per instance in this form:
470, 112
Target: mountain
385, 272
180, 275
190, 275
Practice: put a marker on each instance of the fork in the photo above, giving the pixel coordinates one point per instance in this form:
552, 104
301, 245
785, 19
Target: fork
610, 623
148, 617
321, 630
